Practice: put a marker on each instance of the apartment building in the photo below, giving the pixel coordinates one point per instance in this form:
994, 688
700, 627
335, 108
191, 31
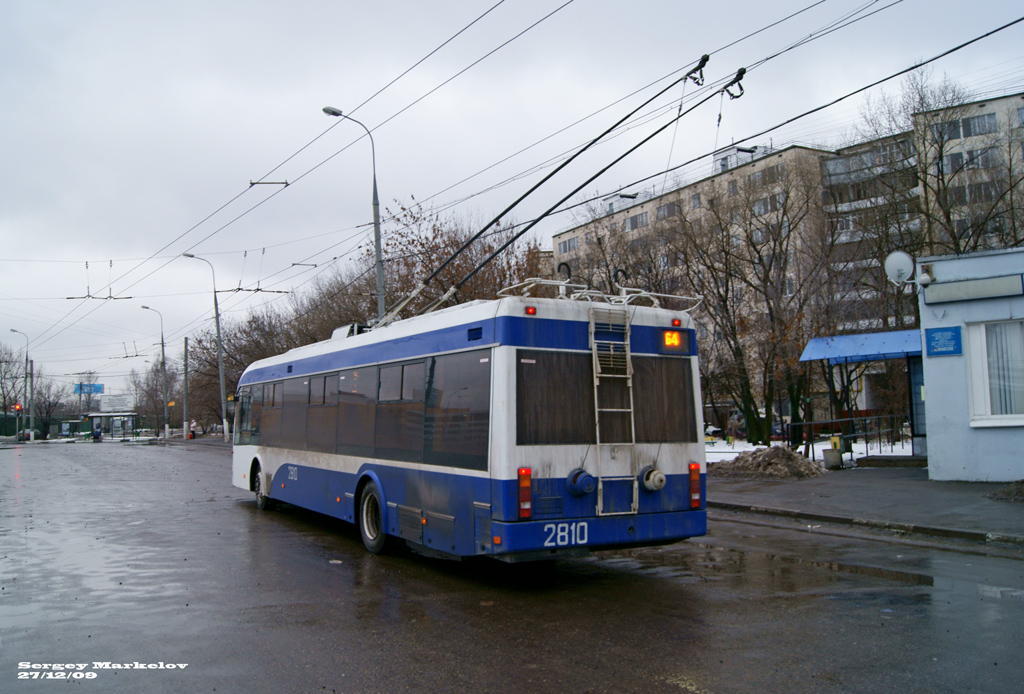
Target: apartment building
746, 195
804, 232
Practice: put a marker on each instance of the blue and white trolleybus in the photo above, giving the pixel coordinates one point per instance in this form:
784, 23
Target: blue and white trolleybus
521, 428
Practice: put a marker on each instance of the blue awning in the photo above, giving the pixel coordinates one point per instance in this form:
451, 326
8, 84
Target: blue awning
841, 349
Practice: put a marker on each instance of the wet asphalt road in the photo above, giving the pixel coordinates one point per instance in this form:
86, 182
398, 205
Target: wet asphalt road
125, 554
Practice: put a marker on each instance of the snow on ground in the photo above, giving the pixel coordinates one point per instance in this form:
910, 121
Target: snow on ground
722, 450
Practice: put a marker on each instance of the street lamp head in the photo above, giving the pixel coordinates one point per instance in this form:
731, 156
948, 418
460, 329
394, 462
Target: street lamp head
331, 111
146, 307
188, 255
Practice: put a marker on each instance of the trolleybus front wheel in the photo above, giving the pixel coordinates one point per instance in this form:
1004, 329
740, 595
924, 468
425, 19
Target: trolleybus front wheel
371, 519
263, 502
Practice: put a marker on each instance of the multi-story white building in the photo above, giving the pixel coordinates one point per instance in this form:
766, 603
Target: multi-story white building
823, 220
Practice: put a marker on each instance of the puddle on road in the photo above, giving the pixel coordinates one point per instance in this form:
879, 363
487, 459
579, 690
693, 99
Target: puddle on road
695, 562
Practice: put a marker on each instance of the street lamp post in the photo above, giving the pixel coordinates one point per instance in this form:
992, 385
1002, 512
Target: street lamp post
163, 371
220, 350
26, 400
331, 111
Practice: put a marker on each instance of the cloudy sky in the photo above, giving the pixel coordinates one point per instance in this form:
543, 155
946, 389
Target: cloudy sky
130, 131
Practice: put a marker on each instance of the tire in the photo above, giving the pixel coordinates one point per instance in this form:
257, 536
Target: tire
263, 502
371, 519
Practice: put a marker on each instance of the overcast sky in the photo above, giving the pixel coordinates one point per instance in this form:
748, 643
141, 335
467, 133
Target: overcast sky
130, 131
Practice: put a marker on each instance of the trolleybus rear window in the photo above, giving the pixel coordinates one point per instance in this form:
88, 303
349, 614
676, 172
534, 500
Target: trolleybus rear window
555, 400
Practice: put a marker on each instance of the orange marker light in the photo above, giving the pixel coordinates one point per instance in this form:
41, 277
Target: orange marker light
676, 322
531, 310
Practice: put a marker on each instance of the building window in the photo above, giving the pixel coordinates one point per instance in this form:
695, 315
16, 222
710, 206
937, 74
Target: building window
695, 201
987, 158
945, 131
734, 188
950, 164
568, 246
666, 211
761, 206
956, 196
1020, 117
996, 373
636, 221
979, 125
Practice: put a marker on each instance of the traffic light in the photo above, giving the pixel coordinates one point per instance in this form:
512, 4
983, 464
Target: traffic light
17, 407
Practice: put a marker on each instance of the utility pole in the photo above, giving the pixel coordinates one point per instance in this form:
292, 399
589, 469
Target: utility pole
185, 430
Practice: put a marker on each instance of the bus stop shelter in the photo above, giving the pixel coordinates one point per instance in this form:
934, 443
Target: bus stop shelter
118, 425
866, 347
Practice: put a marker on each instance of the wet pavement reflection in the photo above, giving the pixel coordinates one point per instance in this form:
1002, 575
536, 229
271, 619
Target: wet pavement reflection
148, 555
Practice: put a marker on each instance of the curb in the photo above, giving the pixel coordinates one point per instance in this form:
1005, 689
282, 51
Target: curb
949, 533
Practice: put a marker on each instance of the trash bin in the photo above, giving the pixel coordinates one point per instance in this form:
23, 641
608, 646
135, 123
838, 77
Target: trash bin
833, 457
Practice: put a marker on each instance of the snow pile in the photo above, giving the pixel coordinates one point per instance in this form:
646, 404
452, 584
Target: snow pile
776, 462
1011, 492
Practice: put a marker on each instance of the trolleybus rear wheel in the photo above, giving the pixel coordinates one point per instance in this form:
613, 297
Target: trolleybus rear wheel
371, 519
263, 502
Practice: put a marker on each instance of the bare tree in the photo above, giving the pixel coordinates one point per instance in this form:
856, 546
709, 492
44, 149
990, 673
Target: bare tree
148, 389
12, 380
955, 169
420, 244
424, 240
756, 251
49, 398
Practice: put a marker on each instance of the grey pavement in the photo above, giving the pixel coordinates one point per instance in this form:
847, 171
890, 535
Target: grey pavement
901, 499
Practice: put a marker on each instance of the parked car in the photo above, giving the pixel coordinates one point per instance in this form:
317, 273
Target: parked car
28, 434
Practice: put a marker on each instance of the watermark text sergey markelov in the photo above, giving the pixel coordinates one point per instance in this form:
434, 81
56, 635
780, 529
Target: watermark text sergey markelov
84, 671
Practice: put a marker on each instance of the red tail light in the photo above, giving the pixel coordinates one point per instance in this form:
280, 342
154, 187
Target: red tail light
525, 492
694, 485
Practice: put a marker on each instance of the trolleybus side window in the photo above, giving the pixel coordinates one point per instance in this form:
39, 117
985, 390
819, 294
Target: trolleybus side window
256, 415
250, 406
398, 431
458, 410
412, 381
316, 390
357, 407
271, 421
243, 417
390, 383
293, 413
321, 418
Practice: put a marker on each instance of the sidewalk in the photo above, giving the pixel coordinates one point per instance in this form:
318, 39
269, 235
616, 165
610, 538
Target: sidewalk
900, 499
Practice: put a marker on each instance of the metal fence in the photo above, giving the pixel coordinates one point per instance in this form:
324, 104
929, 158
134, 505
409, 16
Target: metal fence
881, 432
